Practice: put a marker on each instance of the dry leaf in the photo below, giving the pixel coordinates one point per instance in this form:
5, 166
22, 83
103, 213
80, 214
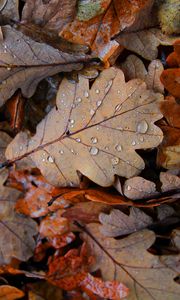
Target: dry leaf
139, 188
44, 291
9, 9
95, 131
129, 262
24, 63
169, 181
173, 59
52, 15
171, 81
168, 152
145, 42
8, 292
117, 223
133, 67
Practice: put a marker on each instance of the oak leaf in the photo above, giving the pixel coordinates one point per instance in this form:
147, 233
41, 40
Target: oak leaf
168, 151
8, 292
24, 63
171, 81
133, 67
118, 223
9, 9
94, 131
128, 261
145, 42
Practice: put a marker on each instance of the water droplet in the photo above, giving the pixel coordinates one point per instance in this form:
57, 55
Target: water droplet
133, 143
92, 111
86, 94
21, 148
118, 148
97, 128
72, 150
5, 46
115, 160
108, 86
72, 121
98, 103
8, 68
129, 187
118, 107
141, 139
61, 151
142, 127
78, 99
94, 150
78, 140
94, 140
50, 159
120, 128
43, 159
97, 91
63, 95
44, 154
118, 92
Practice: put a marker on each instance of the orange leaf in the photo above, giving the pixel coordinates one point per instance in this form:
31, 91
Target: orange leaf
8, 292
171, 81
173, 60
108, 289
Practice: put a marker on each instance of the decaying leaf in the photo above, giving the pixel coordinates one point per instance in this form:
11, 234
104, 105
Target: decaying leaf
16, 230
96, 22
169, 16
145, 42
128, 261
117, 223
8, 292
133, 67
24, 63
9, 10
52, 15
169, 181
94, 131
168, 151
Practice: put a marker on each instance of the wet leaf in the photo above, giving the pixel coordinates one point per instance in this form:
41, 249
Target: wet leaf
145, 42
98, 131
97, 22
24, 63
117, 223
8, 292
129, 262
108, 289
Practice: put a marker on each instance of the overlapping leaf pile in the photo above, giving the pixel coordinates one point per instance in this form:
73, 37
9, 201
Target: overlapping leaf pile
89, 150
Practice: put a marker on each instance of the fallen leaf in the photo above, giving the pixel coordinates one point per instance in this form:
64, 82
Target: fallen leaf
129, 262
118, 223
44, 291
145, 42
9, 9
133, 67
24, 63
168, 151
116, 119
96, 23
50, 15
169, 181
173, 59
139, 188
169, 16
108, 289
171, 81
15, 111
8, 292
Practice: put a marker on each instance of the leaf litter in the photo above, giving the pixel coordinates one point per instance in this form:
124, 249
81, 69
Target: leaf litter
88, 210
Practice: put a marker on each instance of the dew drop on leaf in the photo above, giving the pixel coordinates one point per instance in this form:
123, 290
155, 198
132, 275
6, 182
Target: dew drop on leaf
133, 143
92, 112
97, 91
94, 151
94, 140
78, 140
50, 159
118, 148
115, 160
142, 127
86, 94
98, 103
118, 107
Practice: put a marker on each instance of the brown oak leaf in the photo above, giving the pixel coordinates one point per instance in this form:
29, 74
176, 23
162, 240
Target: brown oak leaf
117, 223
24, 63
128, 261
93, 130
